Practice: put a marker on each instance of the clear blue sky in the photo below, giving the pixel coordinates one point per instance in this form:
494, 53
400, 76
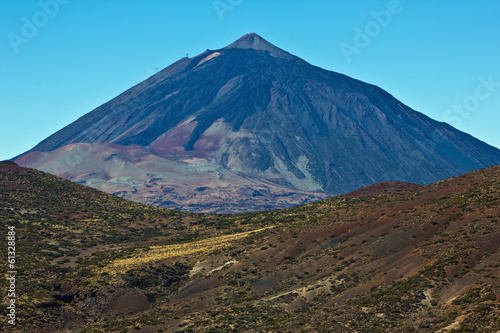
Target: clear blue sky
431, 55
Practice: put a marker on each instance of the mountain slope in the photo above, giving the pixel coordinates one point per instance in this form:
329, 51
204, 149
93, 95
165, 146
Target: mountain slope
412, 258
253, 111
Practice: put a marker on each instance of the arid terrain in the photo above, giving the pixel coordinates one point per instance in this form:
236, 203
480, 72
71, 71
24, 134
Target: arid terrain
192, 184
391, 257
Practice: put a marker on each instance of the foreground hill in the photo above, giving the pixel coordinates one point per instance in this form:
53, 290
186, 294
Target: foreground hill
391, 257
251, 127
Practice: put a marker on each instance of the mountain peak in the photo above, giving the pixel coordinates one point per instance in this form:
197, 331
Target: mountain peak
258, 128
256, 42
251, 40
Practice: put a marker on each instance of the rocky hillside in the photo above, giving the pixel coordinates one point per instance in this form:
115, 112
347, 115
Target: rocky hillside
251, 127
392, 257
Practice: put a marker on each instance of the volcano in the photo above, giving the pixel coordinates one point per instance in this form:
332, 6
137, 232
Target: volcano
252, 127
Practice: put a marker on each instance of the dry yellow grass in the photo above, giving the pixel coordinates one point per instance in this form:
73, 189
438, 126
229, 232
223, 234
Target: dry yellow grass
157, 253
